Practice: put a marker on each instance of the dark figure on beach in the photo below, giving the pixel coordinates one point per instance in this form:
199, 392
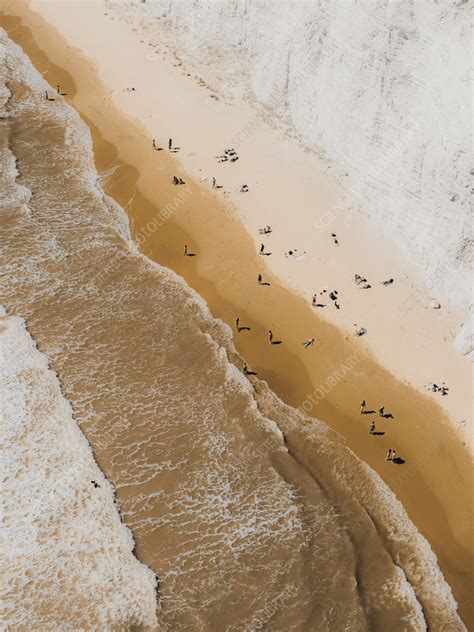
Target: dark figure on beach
444, 390
363, 410
186, 253
315, 302
62, 94
96, 485
333, 295
155, 146
177, 181
383, 414
244, 188
334, 237
247, 372
272, 341
229, 155
367, 286
308, 343
361, 331
266, 230
358, 279
389, 282
170, 144
48, 98
262, 251
372, 428
390, 455
337, 306
239, 327
261, 281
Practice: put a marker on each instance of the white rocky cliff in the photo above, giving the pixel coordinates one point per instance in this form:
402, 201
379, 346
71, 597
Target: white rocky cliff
383, 88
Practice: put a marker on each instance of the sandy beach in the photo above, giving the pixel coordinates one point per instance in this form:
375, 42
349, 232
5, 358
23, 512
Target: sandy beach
407, 344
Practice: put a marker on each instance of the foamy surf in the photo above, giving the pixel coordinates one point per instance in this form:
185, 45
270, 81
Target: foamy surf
68, 561
253, 515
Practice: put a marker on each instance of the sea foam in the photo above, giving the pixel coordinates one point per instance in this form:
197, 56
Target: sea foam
68, 563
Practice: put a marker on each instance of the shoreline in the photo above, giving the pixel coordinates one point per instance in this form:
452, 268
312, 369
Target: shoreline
198, 216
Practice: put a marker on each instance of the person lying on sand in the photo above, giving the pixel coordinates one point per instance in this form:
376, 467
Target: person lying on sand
361, 331
389, 282
358, 279
244, 188
177, 181
308, 343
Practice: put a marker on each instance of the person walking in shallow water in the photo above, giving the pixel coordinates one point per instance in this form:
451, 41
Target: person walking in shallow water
247, 371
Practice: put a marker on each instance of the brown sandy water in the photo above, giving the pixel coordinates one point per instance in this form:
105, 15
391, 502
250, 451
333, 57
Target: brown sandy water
136, 381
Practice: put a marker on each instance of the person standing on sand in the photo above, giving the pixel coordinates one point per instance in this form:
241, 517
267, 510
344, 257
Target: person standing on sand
170, 144
390, 455
362, 406
239, 327
372, 428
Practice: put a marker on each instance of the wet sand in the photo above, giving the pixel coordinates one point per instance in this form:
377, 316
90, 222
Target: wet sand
224, 273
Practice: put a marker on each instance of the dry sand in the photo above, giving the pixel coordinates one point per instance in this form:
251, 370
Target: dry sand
290, 191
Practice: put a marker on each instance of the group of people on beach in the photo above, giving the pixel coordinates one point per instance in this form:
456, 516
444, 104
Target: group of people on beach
391, 456
230, 155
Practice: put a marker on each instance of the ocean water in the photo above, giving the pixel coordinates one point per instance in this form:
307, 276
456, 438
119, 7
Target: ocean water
252, 515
